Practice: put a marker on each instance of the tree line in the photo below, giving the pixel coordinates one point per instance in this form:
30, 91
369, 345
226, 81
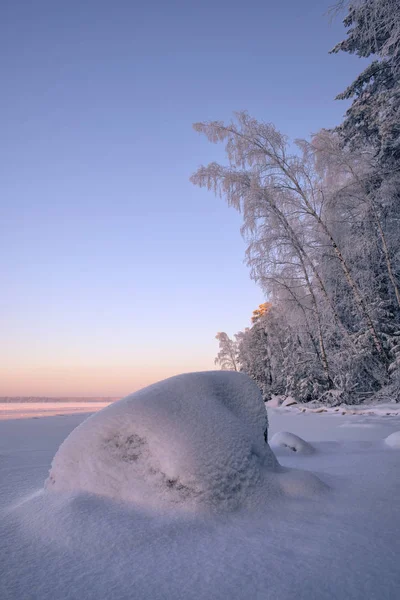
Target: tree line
322, 227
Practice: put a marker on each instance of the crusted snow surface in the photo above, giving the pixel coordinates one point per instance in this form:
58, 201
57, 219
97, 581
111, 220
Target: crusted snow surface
393, 440
292, 442
194, 440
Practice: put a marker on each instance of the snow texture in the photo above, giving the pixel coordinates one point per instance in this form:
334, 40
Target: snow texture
292, 442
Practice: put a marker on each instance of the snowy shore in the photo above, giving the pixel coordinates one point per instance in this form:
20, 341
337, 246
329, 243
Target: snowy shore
342, 544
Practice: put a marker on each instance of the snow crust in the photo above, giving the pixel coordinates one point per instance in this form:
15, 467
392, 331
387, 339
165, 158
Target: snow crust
292, 442
393, 440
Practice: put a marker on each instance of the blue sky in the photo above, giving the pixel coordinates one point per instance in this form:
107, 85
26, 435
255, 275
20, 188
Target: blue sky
116, 270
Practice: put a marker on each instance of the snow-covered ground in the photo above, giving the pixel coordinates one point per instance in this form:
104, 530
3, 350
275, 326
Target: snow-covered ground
339, 543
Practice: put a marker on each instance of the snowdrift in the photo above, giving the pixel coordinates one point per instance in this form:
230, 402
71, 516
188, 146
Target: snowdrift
194, 441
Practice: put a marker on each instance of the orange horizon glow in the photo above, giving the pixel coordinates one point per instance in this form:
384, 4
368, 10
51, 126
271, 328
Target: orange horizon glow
78, 381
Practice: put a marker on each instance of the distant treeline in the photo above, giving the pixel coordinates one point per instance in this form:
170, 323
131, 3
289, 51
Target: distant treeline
13, 399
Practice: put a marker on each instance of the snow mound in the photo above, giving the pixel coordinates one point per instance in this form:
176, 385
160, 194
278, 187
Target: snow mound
294, 443
194, 440
302, 484
393, 440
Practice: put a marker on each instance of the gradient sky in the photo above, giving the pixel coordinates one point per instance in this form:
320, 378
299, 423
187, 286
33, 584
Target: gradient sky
116, 271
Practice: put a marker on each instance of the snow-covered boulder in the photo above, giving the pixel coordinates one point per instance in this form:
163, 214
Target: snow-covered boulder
196, 439
393, 440
292, 442
192, 442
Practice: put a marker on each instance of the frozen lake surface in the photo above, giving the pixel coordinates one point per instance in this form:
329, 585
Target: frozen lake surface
343, 544
34, 410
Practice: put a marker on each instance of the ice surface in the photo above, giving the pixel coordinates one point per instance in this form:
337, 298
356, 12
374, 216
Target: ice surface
23, 410
343, 544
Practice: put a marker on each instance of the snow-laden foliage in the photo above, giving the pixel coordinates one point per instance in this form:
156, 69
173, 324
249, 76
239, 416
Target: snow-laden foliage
322, 224
374, 115
323, 243
227, 357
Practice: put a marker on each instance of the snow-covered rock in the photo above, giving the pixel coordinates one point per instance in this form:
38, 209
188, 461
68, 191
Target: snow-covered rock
292, 442
194, 442
393, 440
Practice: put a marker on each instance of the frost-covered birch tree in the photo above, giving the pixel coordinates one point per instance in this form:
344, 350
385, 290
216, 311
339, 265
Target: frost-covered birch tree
315, 240
227, 357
